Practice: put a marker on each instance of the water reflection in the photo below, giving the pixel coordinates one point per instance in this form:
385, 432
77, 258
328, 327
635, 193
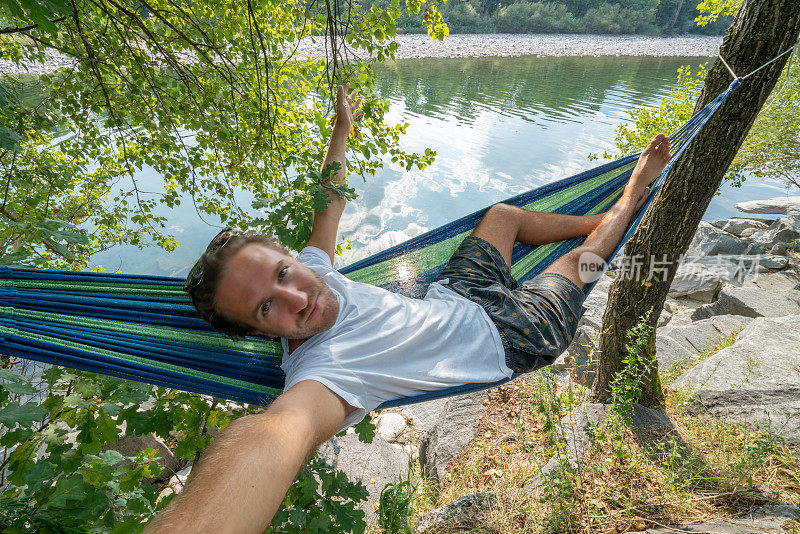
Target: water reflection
500, 126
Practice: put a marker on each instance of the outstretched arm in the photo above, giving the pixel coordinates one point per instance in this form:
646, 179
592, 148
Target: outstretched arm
326, 223
242, 477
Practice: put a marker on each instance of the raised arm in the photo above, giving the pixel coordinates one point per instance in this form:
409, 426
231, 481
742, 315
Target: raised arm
244, 474
326, 223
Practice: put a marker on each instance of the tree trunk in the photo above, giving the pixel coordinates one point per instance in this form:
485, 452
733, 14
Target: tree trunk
761, 30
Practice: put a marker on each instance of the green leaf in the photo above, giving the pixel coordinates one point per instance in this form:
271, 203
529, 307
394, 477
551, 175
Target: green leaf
365, 430
25, 415
9, 139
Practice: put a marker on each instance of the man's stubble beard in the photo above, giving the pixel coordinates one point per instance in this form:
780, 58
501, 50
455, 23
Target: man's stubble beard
329, 302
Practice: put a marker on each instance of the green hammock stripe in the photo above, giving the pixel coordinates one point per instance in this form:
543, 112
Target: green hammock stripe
99, 287
439, 253
528, 262
205, 339
150, 363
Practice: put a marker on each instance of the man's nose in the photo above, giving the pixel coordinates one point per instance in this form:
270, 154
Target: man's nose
295, 299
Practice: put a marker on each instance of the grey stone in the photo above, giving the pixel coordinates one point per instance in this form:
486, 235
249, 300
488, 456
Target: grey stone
595, 303
769, 519
747, 232
751, 302
697, 281
781, 231
663, 318
580, 357
454, 428
773, 261
391, 425
773, 281
424, 414
710, 240
755, 381
133, 445
464, 511
779, 249
681, 344
682, 317
379, 461
730, 268
783, 205
737, 225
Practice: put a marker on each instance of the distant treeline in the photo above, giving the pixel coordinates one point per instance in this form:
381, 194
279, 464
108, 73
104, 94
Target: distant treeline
653, 17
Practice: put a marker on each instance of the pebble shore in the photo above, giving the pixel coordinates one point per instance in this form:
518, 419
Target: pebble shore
485, 45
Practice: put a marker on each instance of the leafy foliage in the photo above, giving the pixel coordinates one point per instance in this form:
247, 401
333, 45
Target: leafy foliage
769, 150
213, 96
394, 511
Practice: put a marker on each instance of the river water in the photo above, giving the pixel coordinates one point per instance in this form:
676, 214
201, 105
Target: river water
500, 126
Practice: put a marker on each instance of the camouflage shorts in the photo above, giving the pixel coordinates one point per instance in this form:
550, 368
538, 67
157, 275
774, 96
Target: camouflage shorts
537, 319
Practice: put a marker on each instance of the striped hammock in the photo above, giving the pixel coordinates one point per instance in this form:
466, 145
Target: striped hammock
145, 328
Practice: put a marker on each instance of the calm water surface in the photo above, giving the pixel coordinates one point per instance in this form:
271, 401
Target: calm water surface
501, 126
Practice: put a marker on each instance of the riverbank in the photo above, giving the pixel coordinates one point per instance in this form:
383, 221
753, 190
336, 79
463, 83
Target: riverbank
485, 45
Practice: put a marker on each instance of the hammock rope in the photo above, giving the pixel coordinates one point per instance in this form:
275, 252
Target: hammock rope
144, 328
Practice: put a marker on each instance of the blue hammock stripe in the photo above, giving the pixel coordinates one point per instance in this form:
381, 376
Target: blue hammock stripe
144, 328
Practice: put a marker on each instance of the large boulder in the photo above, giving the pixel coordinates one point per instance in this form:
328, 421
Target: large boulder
738, 225
373, 464
681, 345
785, 205
696, 281
767, 520
710, 240
781, 231
751, 302
773, 281
454, 428
580, 358
755, 381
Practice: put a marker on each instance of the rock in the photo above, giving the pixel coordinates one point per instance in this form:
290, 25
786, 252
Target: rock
785, 205
779, 249
731, 268
772, 261
747, 232
391, 426
751, 302
424, 414
697, 281
580, 357
133, 445
373, 464
781, 231
663, 318
710, 240
452, 431
595, 303
738, 225
681, 345
769, 519
462, 512
755, 381
773, 281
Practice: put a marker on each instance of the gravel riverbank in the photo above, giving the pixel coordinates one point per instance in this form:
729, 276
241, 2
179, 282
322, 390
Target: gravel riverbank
484, 45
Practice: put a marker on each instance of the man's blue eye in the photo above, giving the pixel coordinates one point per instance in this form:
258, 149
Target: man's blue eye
265, 307
282, 273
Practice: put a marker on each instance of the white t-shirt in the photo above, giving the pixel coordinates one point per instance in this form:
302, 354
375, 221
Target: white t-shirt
384, 345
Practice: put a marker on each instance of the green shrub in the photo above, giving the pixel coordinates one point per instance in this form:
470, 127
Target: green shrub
535, 17
615, 19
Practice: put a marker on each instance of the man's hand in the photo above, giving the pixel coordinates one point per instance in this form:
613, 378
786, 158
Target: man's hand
347, 111
326, 223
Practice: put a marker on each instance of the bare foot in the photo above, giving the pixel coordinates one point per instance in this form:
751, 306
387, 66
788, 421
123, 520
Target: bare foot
652, 161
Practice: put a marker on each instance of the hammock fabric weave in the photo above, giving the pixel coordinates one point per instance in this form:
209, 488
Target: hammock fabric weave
145, 328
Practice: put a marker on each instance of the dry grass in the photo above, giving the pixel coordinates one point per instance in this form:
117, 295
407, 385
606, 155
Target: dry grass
704, 471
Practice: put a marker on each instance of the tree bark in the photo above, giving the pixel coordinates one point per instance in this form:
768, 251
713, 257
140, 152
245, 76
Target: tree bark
761, 31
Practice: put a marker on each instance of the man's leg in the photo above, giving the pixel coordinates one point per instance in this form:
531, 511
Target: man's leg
503, 224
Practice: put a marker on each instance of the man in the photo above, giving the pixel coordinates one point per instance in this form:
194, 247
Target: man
350, 346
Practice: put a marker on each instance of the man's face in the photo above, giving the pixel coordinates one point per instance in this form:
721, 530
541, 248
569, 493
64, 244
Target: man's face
275, 294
